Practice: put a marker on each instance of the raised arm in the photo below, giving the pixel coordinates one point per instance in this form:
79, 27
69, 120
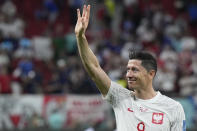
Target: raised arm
88, 58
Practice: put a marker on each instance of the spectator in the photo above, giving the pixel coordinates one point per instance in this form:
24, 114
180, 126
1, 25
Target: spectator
11, 26
5, 81
43, 47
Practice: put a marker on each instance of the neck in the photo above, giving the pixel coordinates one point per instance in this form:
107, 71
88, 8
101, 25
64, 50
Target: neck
145, 94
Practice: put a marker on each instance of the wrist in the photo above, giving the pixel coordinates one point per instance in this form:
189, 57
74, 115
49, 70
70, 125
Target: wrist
80, 35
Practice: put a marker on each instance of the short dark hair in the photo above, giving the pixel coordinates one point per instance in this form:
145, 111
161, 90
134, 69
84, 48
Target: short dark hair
148, 61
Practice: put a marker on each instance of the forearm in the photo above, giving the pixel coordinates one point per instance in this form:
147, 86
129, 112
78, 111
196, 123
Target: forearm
88, 58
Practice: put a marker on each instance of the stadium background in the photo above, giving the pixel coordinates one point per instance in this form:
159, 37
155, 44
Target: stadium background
42, 82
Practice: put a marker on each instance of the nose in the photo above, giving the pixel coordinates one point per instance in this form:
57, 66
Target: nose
129, 74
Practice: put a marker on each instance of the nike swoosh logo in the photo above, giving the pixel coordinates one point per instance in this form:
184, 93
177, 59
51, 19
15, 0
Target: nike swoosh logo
130, 110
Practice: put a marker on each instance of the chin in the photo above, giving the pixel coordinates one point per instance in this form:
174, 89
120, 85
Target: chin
131, 88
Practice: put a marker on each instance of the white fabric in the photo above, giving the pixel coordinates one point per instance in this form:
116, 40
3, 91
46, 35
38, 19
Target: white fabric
42, 46
160, 113
14, 29
89, 129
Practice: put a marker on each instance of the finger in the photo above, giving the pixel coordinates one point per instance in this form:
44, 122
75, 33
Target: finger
84, 11
88, 13
78, 13
83, 22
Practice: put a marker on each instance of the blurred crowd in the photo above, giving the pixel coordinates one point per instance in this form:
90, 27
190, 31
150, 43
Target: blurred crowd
38, 52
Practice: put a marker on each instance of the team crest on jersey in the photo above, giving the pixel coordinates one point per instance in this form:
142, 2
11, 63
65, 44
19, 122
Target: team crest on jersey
157, 118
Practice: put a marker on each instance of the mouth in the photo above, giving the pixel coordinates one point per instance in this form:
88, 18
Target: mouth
132, 80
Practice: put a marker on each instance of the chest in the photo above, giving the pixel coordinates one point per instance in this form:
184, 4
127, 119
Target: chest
142, 118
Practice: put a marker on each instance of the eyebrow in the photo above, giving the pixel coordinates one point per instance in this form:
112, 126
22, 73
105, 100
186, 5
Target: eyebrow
132, 67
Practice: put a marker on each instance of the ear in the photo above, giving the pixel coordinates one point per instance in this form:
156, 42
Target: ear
152, 73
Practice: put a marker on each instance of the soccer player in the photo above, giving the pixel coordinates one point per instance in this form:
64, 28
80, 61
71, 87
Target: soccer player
142, 109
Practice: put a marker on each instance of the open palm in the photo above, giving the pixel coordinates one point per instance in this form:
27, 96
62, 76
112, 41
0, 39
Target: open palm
82, 21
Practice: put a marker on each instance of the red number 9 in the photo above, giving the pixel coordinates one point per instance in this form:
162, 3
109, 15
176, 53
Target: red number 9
140, 126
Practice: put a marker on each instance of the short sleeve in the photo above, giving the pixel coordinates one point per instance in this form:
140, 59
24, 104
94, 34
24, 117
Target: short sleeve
116, 94
179, 123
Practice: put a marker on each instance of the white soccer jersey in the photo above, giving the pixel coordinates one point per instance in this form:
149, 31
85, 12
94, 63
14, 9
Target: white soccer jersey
160, 113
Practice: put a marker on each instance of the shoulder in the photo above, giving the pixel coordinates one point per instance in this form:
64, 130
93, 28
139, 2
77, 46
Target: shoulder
116, 88
171, 105
169, 101
172, 108
117, 94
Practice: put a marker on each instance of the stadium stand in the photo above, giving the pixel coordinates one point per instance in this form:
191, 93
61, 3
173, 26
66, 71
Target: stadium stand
38, 53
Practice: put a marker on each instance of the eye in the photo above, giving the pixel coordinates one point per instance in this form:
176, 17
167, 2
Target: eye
134, 69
